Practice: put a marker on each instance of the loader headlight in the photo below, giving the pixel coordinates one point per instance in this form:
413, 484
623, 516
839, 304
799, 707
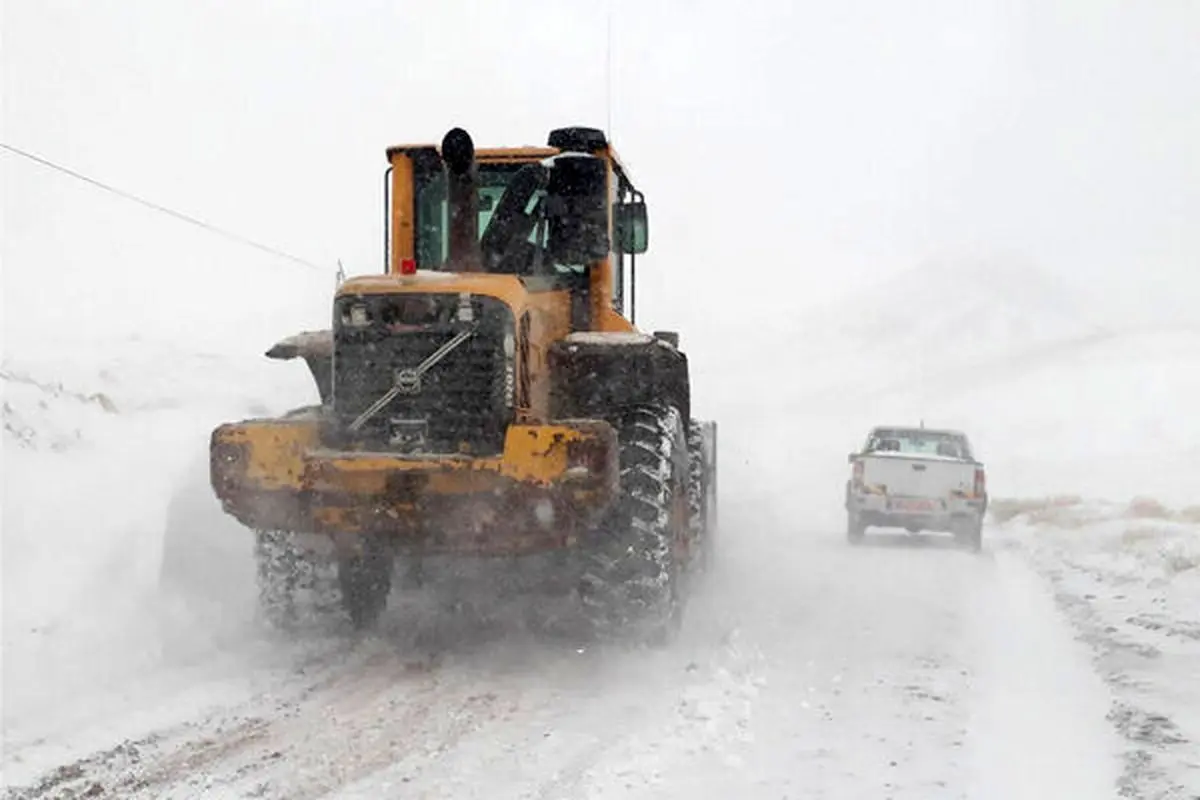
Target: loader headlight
355, 315
466, 313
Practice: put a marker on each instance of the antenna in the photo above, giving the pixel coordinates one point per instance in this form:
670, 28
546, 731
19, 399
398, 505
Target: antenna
608, 72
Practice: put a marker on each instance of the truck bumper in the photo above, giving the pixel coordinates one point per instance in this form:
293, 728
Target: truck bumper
942, 516
550, 483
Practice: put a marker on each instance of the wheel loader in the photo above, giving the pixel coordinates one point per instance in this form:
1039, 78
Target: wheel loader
486, 396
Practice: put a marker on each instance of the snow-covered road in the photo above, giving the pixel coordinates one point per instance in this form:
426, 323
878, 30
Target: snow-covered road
1061, 662
807, 668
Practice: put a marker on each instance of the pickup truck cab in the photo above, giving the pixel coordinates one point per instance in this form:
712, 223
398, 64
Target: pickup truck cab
919, 479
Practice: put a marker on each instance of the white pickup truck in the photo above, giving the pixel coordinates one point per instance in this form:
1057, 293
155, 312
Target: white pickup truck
918, 479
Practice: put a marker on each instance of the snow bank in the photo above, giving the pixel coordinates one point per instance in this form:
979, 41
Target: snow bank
1128, 577
98, 438
1142, 540
111, 385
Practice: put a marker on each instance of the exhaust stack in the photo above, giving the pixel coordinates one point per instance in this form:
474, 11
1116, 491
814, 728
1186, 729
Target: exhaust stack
458, 154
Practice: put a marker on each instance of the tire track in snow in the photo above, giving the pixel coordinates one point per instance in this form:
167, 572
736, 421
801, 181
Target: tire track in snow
370, 719
1040, 729
312, 734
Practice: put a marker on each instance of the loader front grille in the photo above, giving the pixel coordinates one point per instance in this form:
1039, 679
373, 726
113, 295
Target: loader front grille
462, 404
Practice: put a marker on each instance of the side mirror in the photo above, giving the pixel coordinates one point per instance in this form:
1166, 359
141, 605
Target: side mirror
852, 458
632, 227
577, 209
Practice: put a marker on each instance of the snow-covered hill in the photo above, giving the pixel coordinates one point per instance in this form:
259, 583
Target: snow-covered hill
1054, 400
953, 312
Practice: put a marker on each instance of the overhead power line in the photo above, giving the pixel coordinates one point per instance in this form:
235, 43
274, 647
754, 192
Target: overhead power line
163, 209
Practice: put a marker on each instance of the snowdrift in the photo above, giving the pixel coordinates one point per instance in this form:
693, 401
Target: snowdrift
1141, 541
106, 412
1128, 577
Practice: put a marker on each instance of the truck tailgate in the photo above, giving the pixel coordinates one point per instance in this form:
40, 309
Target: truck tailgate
918, 477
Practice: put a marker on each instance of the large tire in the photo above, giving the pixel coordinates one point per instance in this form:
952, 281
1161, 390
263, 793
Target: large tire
296, 586
702, 502
630, 576
365, 580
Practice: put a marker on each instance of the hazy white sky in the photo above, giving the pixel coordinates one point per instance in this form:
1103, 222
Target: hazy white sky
805, 147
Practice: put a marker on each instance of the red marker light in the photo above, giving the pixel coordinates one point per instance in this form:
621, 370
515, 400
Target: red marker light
408, 266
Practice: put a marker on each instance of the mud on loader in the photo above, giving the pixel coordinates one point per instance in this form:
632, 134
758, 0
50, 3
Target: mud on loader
486, 396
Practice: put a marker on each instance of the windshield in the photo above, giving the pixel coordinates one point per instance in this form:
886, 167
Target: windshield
918, 442
433, 222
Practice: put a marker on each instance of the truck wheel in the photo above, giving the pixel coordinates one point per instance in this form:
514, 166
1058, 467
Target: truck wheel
700, 494
295, 585
629, 582
366, 581
855, 530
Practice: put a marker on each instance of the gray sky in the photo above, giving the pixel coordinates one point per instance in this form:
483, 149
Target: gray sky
805, 147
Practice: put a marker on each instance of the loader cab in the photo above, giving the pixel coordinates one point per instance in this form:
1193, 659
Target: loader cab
563, 216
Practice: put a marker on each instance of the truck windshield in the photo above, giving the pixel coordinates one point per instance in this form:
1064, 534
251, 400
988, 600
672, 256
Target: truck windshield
917, 442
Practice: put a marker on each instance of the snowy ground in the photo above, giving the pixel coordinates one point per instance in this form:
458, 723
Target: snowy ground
1128, 578
1062, 662
903, 669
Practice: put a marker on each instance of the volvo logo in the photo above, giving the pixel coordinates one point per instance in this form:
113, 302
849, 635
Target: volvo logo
408, 381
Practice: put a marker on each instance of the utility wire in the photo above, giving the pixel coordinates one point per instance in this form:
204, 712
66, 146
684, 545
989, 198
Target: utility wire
163, 209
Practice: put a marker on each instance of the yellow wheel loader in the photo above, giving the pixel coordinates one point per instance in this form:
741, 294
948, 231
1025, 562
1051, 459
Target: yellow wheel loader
486, 396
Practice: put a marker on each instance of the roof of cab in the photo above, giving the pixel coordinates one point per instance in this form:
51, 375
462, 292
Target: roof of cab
918, 429
510, 154
483, 153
